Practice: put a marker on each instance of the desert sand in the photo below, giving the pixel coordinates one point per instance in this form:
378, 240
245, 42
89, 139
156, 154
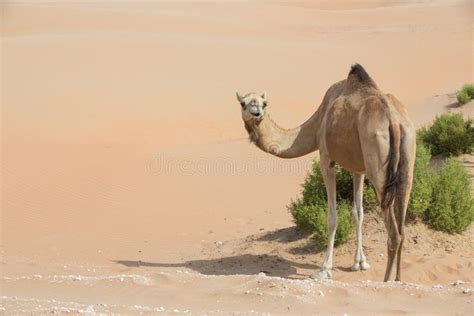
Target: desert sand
128, 182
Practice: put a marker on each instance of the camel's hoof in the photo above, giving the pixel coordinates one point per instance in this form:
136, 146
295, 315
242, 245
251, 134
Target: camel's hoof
356, 266
364, 265
321, 275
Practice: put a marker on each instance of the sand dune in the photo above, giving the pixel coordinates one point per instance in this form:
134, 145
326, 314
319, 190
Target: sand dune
128, 184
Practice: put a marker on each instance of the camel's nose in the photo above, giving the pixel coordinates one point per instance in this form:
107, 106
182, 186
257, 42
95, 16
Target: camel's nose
258, 114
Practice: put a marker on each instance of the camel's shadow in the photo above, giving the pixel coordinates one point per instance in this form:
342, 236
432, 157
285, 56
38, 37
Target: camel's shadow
246, 264
291, 234
284, 235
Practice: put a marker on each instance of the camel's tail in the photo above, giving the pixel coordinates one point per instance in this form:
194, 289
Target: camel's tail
393, 164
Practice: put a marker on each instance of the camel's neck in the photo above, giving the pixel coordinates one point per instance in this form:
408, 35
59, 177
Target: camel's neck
285, 143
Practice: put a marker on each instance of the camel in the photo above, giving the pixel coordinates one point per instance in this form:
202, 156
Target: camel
367, 133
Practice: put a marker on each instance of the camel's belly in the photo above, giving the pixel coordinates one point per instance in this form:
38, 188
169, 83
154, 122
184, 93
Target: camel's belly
342, 140
347, 158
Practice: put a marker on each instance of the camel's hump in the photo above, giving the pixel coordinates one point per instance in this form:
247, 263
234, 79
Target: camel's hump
358, 72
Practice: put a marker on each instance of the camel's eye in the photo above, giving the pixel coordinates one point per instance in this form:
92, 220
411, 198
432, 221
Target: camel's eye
242, 104
264, 104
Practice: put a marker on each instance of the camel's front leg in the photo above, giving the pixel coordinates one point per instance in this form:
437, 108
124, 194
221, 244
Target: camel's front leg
360, 261
329, 176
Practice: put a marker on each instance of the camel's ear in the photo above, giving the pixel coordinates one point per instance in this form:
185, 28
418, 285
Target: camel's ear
264, 97
240, 98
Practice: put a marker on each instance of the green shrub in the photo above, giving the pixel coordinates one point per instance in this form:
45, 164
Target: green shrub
343, 185
420, 197
313, 186
469, 88
310, 212
452, 208
449, 135
463, 97
466, 94
314, 218
304, 214
421, 135
345, 193
370, 200
345, 224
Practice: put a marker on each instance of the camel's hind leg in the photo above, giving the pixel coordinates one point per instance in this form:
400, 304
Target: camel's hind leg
378, 180
401, 203
391, 223
394, 214
376, 149
394, 239
400, 247
396, 225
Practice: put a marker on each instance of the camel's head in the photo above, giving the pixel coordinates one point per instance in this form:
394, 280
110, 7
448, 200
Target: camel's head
253, 106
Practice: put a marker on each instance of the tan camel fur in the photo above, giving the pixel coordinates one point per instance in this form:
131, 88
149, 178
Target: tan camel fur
367, 133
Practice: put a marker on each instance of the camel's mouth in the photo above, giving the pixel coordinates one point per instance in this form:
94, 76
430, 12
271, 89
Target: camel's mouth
257, 116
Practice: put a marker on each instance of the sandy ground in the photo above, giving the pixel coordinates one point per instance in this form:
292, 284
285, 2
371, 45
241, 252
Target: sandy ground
128, 185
